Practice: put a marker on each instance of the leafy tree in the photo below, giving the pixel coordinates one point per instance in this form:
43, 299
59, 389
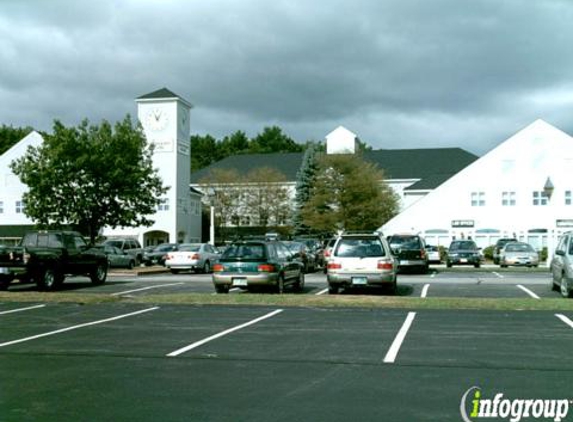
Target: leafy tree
204, 151
266, 197
9, 136
91, 176
305, 178
272, 139
222, 192
237, 143
349, 193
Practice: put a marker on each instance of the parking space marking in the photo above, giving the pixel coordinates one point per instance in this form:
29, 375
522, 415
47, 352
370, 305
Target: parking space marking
425, 290
321, 292
145, 288
565, 320
498, 275
222, 333
397, 343
529, 292
75, 327
11, 311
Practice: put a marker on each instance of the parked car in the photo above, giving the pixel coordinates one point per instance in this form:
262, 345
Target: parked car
117, 258
158, 254
304, 253
518, 254
314, 247
498, 247
192, 256
561, 266
360, 260
410, 250
252, 264
433, 254
463, 252
129, 245
327, 251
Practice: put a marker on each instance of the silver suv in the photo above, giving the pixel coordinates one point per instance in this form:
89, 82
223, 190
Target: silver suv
562, 266
129, 245
360, 260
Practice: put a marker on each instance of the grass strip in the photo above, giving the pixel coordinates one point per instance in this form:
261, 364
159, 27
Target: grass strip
298, 300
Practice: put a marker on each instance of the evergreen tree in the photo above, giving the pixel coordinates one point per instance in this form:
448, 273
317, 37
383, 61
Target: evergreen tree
304, 181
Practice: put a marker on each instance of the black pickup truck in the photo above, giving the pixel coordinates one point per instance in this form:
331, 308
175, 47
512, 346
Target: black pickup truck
47, 257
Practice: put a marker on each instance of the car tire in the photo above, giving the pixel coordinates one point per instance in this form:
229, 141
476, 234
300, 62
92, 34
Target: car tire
221, 289
4, 285
131, 265
299, 286
206, 267
99, 274
564, 287
477, 265
554, 287
332, 289
174, 271
280, 287
449, 264
49, 280
393, 288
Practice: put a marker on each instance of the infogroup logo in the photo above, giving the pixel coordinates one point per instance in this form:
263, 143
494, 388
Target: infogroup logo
474, 406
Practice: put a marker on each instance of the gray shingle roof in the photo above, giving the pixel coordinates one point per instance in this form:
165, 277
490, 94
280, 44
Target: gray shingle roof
432, 166
163, 94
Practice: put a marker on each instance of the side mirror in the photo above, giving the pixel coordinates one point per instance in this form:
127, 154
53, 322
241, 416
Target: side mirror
560, 252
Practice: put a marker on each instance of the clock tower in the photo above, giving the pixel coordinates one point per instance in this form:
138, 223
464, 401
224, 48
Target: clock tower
165, 120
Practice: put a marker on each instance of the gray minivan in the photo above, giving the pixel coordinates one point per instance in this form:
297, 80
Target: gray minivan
562, 264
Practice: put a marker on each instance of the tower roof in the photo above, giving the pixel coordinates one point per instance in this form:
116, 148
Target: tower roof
163, 94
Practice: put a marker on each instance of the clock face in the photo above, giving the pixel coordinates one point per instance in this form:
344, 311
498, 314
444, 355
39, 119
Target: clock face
156, 119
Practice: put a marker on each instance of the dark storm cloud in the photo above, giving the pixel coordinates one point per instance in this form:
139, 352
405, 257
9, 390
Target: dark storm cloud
398, 73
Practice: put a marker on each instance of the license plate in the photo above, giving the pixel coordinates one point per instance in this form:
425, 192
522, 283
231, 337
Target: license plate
404, 262
359, 280
239, 282
463, 260
4, 270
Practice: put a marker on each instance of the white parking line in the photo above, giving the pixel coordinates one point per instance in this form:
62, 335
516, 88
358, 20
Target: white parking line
221, 334
498, 275
565, 320
425, 290
529, 292
145, 288
75, 327
395, 348
321, 292
11, 311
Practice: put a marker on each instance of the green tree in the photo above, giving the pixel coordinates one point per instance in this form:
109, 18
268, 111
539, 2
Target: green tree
305, 178
9, 136
204, 151
349, 193
272, 139
92, 177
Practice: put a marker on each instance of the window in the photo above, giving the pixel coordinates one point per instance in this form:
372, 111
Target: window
478, 199
20, 207
163, 204
539, 198
508, 199
568, 199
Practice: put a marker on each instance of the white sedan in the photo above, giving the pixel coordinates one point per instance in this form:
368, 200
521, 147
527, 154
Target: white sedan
192, 256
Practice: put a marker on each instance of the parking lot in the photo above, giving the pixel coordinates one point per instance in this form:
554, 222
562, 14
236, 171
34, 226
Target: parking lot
138, 362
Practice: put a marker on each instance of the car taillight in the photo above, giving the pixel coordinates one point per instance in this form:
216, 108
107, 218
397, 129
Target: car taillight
326, 253
334, 266
423, 254
266, 268
169, 256
194, 256
385, 265
217, 268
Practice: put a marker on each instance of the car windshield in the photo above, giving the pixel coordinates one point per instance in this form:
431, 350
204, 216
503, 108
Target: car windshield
189, 248
467, 245
163, 248
245, 251
116, 243
361, 247
405, 242
518, 247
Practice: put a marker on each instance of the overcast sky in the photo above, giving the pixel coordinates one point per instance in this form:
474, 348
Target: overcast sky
398, 73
